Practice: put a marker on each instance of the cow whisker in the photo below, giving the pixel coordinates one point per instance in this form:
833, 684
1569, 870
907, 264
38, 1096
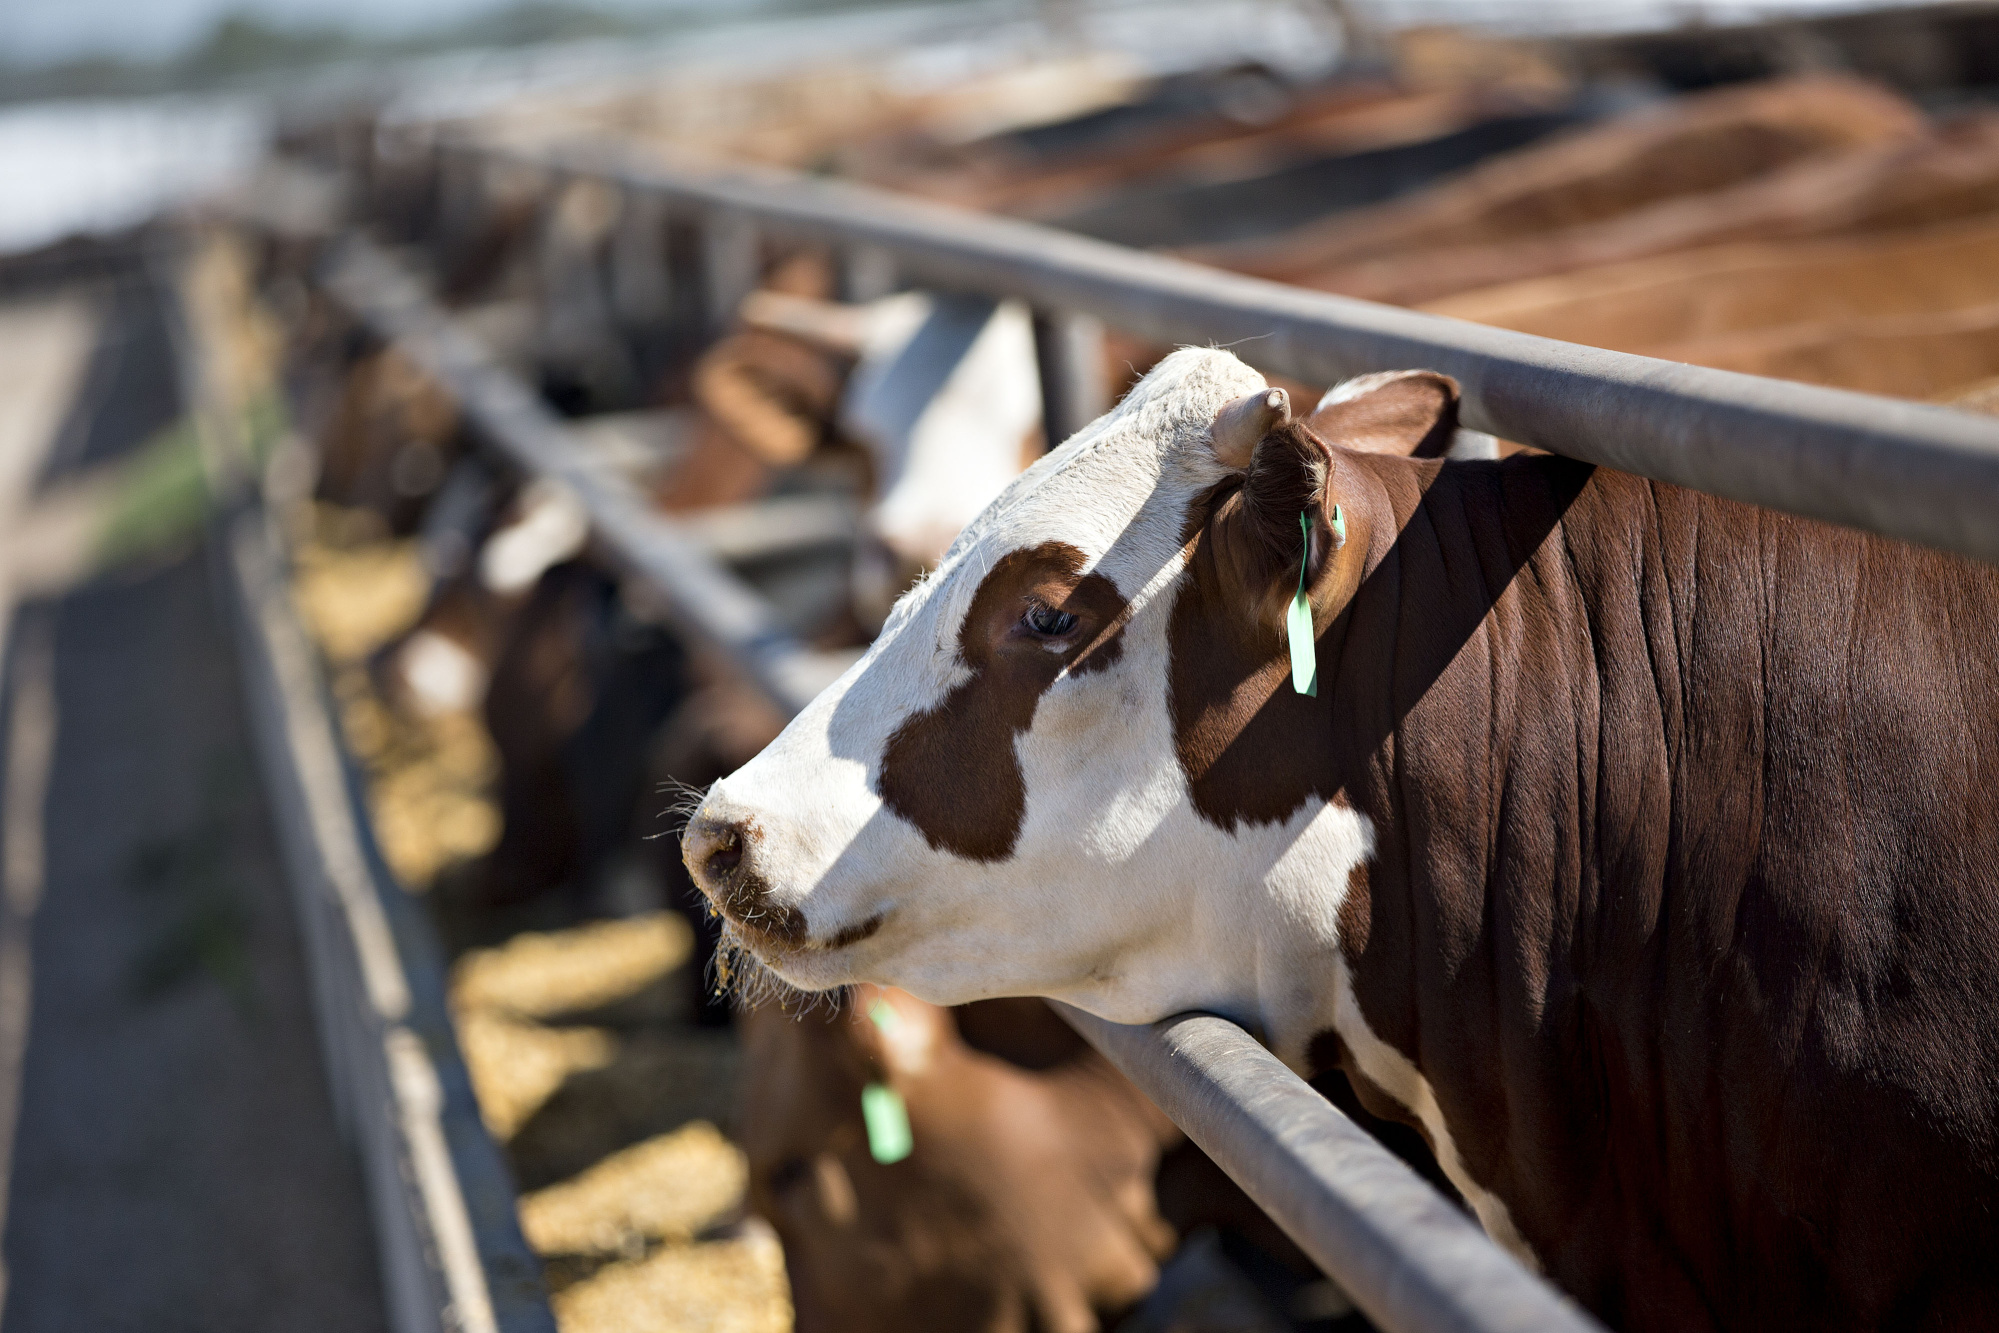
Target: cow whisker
740, 974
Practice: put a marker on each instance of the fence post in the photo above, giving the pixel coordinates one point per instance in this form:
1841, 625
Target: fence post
1069, 352
731, 265
867, 273
640, 287
460, 193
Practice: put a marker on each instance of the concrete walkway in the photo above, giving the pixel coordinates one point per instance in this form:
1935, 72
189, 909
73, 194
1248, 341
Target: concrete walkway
167, 1146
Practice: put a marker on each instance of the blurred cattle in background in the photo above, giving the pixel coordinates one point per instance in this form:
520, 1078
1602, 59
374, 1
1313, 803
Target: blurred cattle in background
1026, 1200
1041, 1189
389, 440
1540, 208
1233, 156
1912, 312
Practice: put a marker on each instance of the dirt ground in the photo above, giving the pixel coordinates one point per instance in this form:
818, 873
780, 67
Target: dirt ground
175, 1163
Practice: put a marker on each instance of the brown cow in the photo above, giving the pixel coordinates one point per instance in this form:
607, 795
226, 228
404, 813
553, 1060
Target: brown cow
1686, 149
1911, 313
1041, 1189
1639, 846
1946, 174
1025, 1202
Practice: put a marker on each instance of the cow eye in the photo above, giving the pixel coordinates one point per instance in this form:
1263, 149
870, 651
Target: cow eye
1047, 622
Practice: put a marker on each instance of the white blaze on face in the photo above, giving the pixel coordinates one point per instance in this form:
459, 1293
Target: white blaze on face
1113, 892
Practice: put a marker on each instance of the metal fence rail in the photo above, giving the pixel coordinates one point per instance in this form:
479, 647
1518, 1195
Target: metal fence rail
1409, 1259
1906, 470
702, 599
442, 1201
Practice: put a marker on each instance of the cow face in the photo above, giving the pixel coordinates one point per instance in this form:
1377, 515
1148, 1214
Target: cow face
1034, 781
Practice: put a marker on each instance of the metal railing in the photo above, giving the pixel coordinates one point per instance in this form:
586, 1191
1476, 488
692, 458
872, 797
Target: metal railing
1911, 471
440, 1197
1908, 471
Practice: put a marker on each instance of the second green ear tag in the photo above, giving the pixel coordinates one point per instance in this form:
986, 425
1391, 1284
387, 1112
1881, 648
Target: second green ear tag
889, 1136
882, 1108
1298, 624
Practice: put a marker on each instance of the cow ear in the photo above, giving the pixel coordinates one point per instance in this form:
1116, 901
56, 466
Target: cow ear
1241, 425
1413, 413
1287, 478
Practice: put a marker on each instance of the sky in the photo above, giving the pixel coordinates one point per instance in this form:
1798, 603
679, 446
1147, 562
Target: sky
40, 31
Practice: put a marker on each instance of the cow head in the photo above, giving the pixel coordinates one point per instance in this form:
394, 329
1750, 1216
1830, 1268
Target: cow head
1073, 763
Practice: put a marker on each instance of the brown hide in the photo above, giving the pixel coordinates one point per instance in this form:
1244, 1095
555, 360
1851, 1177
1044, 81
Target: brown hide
1687, 147
1947, 174
1027, 1202
952, 770
1347, 118
539, 696
1652, 307
1683, 898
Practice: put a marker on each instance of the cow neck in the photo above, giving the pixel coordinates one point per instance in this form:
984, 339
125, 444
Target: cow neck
1430, 672
1596, 762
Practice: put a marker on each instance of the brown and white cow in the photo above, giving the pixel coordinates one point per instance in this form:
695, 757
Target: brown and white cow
1641, 847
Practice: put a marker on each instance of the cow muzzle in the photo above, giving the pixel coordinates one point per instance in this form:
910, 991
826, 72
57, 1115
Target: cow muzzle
721, 856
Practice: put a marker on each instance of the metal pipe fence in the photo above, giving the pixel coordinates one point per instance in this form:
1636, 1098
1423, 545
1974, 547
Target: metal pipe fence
1910, 471
1409, 1259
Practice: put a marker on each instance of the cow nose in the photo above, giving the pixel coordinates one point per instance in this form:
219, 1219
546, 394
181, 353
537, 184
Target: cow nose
713, 850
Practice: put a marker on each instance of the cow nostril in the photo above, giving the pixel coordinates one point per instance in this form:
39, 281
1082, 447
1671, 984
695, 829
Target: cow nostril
714, 850
728, 853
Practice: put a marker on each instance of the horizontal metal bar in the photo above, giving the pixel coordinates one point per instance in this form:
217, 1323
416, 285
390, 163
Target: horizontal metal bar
1912, 471
1407, 1258
703, 599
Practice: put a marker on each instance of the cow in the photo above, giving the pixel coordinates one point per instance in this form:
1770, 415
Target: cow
1715, 144
1026, 1196
1634, 845
1914, 314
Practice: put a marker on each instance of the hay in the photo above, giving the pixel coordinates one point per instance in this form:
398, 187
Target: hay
725, 1286
543, 975
430, 779
356, 599
516, 1067
668, 1188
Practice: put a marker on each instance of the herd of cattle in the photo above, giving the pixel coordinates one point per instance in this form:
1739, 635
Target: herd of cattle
1625, 874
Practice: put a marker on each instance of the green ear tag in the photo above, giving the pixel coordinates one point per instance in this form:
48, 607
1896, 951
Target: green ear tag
889, 1138
1298, 624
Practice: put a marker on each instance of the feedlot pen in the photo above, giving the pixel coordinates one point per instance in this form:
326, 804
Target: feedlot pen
583, 1041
